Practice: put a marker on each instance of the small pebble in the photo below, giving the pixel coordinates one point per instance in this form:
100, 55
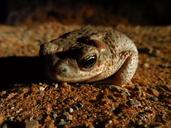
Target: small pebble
54, 116
42, 88
32, 124
56, 85
71, 110
134, 103
148, 108
4, 92
40, 84
18, 111
114, 88
158, 52
49, 108
146, 65
69, 117
65, 84
65, 113
62, 122
12, 108
154, 98
108, 125
110, 122
154, 92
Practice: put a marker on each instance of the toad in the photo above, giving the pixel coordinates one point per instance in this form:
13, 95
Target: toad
90, 54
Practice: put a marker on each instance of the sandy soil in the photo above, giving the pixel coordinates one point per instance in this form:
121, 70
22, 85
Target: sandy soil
28, 99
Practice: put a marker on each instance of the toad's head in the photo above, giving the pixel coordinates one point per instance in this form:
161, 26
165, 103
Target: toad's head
81, 60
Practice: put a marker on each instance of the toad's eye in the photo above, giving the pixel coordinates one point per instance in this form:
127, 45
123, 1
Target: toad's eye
88, 62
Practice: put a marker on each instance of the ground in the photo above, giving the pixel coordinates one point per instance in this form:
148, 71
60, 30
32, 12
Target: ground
28, 100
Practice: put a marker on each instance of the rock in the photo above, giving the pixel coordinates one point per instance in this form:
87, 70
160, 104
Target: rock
32, 124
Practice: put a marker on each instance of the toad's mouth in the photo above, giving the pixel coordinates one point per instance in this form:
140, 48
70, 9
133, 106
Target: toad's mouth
78, 77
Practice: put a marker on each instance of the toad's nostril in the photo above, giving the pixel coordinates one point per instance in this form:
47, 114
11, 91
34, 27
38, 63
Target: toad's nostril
62, 69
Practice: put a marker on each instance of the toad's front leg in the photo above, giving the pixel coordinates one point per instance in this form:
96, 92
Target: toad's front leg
127, 70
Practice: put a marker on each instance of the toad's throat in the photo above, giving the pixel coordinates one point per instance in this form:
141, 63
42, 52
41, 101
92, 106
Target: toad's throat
79, 77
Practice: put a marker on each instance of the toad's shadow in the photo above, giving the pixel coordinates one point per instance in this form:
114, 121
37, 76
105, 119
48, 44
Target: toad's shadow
20, 70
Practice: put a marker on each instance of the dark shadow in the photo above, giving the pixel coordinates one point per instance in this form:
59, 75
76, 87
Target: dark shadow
3, 11
20, 70
97, 12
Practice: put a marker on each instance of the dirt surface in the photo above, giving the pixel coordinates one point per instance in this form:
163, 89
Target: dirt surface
28, 100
